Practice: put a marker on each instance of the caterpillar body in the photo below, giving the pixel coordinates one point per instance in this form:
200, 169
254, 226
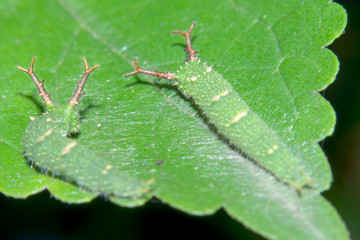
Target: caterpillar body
46, 143
232, 116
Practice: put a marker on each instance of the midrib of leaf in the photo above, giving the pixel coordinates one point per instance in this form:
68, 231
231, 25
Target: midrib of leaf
91, 31
59, 64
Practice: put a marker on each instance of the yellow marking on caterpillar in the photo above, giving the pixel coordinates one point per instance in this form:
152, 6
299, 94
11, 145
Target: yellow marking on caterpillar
32, 118
193, 79
42, 137
150, 181
68, 147
107, 168
216, 98
225, 92
239, 116
49, 119
271, 150
222, 94
209, 69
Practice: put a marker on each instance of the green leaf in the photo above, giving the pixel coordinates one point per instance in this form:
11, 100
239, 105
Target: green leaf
273, 54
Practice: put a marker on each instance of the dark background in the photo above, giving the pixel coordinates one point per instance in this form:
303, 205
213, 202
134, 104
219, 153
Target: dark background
343, 148
42, 217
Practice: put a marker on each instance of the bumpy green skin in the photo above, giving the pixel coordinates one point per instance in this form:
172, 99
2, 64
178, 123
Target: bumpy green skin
233, 119
46, 144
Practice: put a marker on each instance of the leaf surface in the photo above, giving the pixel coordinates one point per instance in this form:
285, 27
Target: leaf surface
273, 53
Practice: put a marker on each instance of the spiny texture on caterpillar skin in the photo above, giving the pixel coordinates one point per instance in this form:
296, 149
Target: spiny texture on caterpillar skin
233, 118
46, 144
237, 122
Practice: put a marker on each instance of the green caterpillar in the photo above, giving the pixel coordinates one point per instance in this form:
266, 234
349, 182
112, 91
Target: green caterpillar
46, 142
232, 116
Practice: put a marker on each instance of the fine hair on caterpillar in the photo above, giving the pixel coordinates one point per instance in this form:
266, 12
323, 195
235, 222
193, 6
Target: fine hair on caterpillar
46, 144
233, 118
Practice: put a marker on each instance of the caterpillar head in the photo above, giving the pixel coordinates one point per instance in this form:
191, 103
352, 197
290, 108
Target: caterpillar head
65, 116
